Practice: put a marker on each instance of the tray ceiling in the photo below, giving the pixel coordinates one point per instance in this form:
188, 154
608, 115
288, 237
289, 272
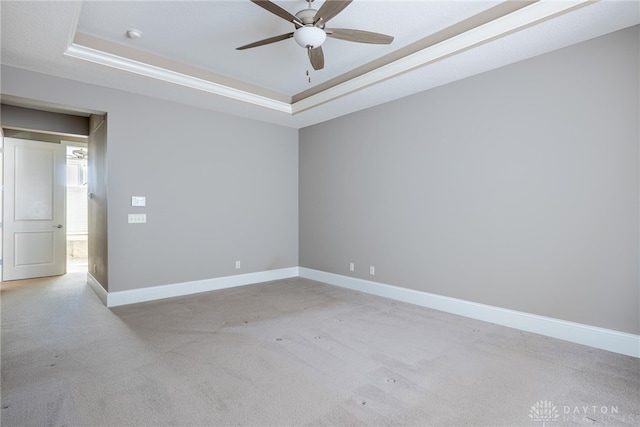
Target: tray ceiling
187, 45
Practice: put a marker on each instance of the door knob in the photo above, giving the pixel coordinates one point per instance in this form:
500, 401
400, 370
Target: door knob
58, 226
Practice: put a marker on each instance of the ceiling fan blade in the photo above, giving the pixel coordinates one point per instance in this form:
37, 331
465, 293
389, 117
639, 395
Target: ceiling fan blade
316, 56
358, 36
277, 10
328, 10
266, 41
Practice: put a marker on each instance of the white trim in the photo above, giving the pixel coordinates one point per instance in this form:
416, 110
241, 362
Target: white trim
121, 63
151, 293
515, 21
606, 339
97, 288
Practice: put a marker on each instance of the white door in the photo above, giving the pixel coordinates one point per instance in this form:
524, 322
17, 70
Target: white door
34, 237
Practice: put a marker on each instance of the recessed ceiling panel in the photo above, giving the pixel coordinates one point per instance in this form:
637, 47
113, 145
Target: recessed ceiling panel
205, 34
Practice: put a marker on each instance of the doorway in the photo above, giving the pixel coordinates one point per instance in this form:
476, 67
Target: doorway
44, 228
77, 208
84, 207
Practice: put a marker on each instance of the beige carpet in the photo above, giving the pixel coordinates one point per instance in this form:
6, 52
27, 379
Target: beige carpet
290, 352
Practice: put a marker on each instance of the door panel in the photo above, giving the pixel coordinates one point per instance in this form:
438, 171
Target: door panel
34, 240
34, 192
34, 248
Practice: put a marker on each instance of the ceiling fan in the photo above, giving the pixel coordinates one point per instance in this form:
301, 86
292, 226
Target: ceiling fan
310, 30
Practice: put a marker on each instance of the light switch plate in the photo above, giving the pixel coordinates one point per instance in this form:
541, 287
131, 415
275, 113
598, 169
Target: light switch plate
138, 201
137, 218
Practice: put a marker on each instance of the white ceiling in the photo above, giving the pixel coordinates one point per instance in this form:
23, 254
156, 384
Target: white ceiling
191, 44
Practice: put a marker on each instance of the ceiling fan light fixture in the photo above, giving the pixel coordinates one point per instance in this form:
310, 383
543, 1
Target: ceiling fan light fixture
310, 35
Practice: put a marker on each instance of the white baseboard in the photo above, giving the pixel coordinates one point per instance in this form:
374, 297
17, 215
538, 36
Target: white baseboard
151, 293
97, 288
606, 339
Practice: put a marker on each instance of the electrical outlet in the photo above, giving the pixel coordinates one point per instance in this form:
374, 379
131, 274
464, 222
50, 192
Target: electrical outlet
352, 267
372, 270
137, 218
237, 264
95, 268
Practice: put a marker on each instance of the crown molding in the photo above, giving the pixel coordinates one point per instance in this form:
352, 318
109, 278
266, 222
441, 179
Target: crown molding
107, 59
94, 50
515, 21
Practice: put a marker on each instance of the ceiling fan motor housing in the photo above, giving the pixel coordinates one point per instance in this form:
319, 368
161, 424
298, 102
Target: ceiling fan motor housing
307, 16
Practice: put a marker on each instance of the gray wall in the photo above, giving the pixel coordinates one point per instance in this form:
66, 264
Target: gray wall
97, 206
219, 188
516, 188
44, 121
